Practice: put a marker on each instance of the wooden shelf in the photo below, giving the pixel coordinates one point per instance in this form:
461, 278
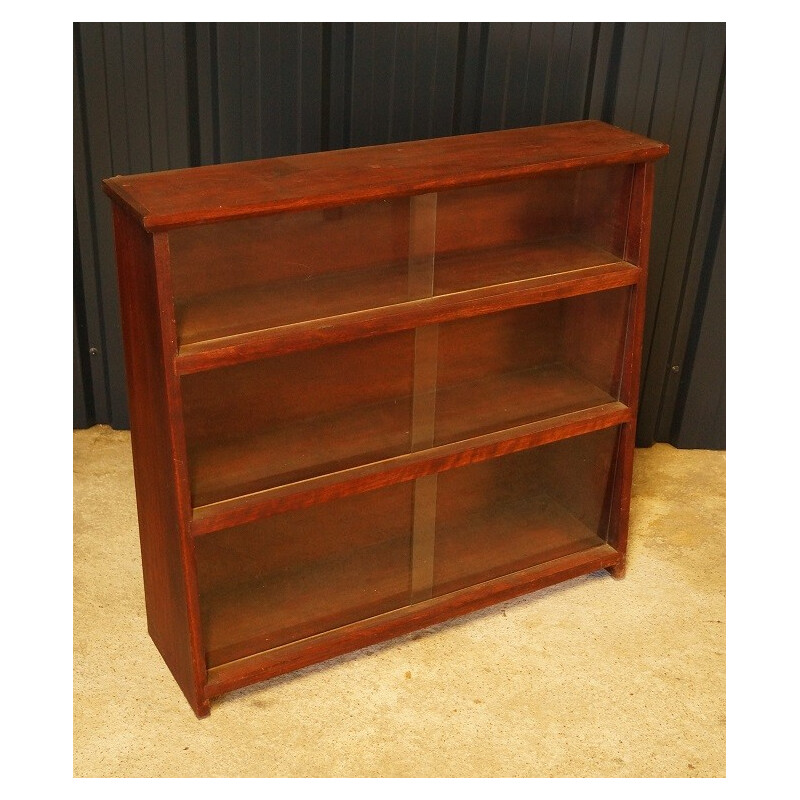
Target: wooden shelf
248, 508
511, 264
334, 442
279, 303
282, 607
501, 402
295, 655
505, 536
244, 325
302, 601
273, 305
290, 453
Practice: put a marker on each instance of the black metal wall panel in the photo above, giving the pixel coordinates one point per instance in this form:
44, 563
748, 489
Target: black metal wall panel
151, 96
130, 116
260, 88
535, 73
399, 82
699, 420
670, 87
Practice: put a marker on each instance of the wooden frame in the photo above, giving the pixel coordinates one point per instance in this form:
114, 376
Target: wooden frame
433, 340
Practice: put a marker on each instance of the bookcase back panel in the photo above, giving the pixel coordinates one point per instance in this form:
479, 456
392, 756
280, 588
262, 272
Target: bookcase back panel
283, 419
295, 574
506, 369
584, 204
514, 512
226, 255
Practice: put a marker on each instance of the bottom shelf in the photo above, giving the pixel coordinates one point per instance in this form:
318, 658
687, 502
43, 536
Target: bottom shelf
306, 572
280, 660
506, 537
293, 604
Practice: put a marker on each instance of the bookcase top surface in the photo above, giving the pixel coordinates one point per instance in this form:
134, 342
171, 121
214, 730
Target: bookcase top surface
197, 195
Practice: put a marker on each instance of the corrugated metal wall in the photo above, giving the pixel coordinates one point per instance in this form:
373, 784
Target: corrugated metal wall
152, 96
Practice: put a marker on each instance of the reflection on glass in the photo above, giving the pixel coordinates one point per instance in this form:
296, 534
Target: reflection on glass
295, 574
234, 277
284, 419
239, 276
500, 516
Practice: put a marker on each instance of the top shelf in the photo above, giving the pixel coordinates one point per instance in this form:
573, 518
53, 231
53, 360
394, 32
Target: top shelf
176, 198
274, 304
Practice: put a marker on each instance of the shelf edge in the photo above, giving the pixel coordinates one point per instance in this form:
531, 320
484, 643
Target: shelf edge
399, 469
292, 656
311, 334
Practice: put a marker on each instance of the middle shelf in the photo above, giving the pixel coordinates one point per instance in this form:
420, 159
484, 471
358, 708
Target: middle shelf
359, 434
281, 420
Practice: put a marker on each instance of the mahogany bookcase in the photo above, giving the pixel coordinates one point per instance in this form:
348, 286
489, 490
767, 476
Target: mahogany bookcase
377, 388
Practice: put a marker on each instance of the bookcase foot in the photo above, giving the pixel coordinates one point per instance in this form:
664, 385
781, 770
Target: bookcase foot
202, 708
617, 571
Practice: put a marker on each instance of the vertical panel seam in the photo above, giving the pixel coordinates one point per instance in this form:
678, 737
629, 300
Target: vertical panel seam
259, 137
299, 68
672, 224
434, 78
548, 72
166, 98
192, 93
480, 83
349, 56
216, 134
93, 222
506, 76
712, 244
326, 67
147, 94
566, 84
611, 82
392, 82
526, 85
458, 94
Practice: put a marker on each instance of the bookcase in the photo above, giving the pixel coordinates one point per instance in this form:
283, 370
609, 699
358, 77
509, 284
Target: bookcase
377, 388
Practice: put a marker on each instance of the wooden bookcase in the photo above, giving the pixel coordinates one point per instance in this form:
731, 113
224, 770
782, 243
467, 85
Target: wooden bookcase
378, 388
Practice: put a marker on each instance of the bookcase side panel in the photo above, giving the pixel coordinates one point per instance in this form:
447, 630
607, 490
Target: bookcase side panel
152, 443
637, 248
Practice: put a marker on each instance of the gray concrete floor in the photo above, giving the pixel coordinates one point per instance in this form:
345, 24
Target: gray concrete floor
592, 678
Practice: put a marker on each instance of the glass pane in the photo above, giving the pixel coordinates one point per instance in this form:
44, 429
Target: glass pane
497, 517
287, 418
283, 419
296, 574
513, 231
243, 275
501, 370
252, 274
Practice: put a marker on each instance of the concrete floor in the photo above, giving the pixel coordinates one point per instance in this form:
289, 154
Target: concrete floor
591, 678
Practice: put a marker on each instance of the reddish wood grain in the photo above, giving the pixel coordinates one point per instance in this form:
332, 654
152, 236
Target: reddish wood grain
293, 656
459, 379
316, 180
323, 488
169, 593
637, 249
256, 344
